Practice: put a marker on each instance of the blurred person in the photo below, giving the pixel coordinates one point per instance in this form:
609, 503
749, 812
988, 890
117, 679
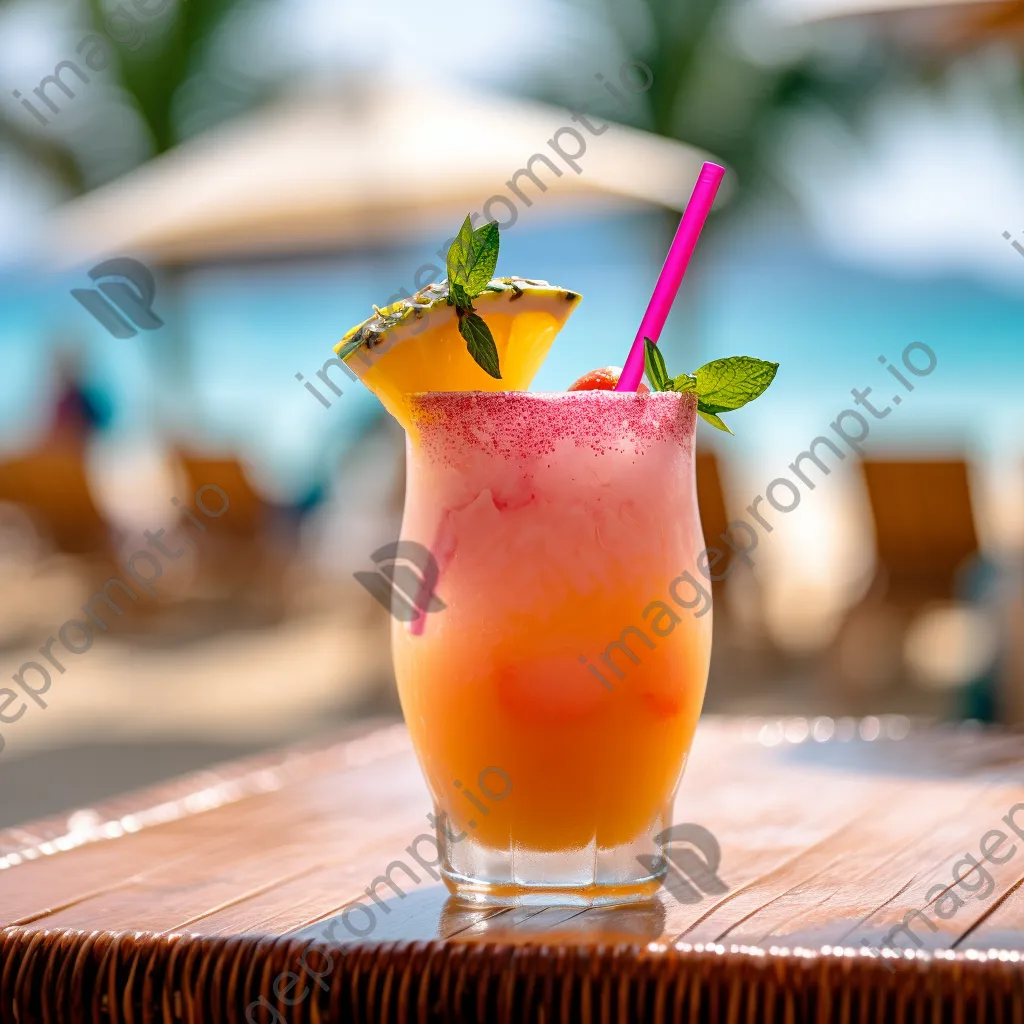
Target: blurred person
50, 482
82, 408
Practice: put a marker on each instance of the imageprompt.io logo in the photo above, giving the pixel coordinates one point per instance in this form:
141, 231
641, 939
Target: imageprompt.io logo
123, 304
405, 580
688, 877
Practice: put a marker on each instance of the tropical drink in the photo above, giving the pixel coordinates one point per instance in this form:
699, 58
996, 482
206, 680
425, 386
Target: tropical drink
551, 648
572, 652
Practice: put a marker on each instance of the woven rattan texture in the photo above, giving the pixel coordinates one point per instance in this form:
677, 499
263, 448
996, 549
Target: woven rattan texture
106, 979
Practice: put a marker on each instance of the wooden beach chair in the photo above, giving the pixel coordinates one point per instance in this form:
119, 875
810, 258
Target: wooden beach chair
924, 534
53, 487
924, 527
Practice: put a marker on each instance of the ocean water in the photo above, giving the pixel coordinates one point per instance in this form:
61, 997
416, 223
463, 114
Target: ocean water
220, 373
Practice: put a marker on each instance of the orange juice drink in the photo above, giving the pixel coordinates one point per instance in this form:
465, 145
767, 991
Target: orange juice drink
553, 701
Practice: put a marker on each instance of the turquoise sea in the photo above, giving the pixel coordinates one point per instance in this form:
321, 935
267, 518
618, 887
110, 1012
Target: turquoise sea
220, 374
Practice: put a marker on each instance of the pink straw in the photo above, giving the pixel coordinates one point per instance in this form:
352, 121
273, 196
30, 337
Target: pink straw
672, 272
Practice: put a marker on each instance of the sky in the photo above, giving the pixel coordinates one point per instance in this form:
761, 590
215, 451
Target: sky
924, 184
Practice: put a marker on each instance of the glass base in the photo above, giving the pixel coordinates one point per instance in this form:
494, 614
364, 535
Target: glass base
496, 894
587, 876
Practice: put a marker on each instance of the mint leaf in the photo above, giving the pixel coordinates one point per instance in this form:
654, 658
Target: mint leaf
721, 385
714, 420
480, 342
654, 367
726, 384
459, 297
460, 255
486, 251
471, 260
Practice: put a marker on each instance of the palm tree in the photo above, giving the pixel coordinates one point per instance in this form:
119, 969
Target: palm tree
709, 92
153, 75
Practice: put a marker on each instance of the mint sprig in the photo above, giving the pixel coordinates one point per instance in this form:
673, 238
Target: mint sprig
479, 342
654, 367
471, 260
721, 385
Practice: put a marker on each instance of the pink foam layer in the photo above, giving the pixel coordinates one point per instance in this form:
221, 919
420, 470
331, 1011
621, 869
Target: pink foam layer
519, 424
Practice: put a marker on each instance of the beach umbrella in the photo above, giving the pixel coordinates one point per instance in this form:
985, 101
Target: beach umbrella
935, 25
340, 166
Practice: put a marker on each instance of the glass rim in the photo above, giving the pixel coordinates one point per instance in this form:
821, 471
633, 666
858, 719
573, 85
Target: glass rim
548, 396
518, 422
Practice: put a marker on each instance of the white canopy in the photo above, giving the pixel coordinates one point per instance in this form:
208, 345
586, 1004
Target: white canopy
936, 24
336, 166
817, 10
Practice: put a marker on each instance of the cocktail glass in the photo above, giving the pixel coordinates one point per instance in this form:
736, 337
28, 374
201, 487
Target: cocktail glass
553, 699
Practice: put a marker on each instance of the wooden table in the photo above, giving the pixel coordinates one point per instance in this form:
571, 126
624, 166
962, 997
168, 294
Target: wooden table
209, 899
